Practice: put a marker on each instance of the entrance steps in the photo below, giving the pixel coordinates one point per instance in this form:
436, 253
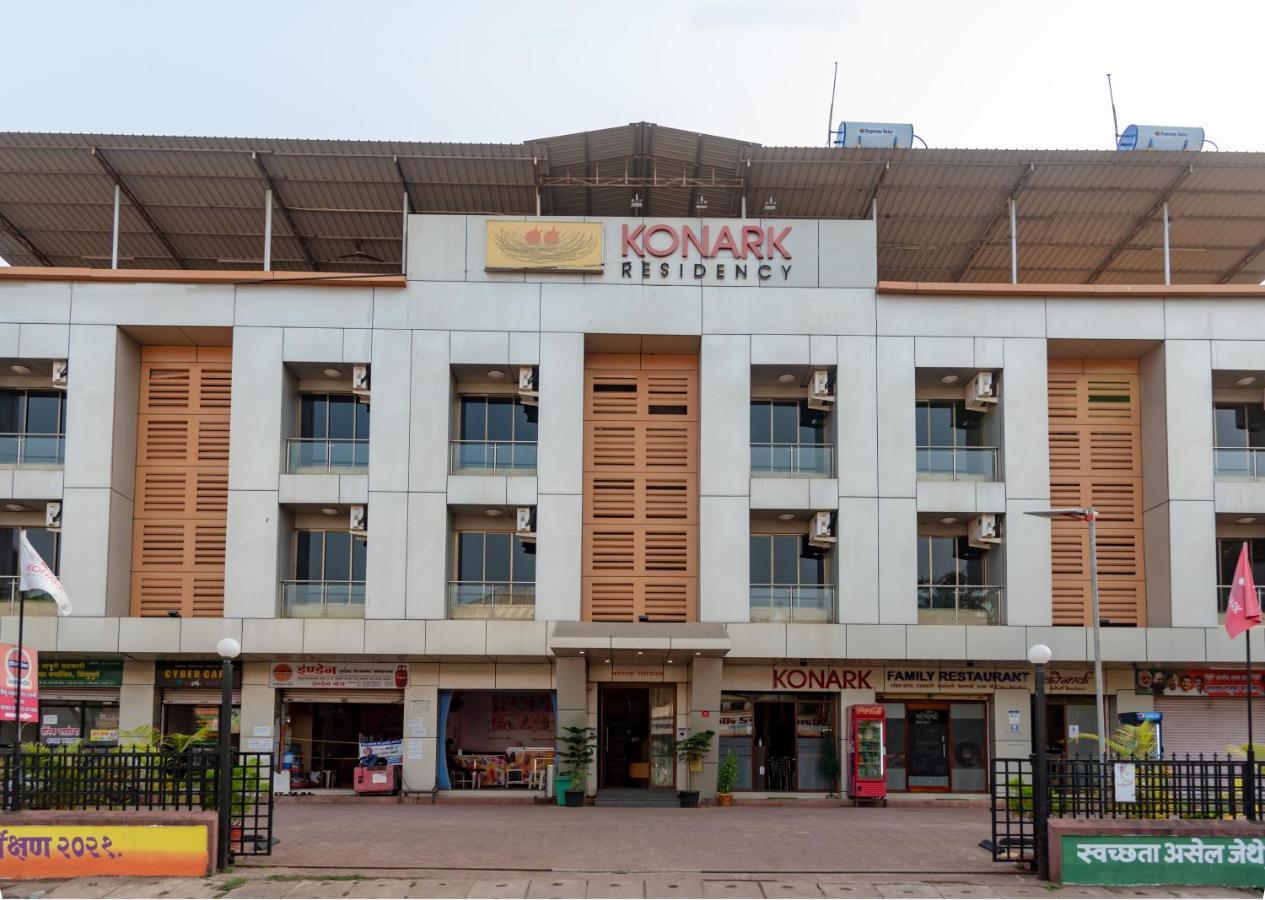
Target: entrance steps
633, 797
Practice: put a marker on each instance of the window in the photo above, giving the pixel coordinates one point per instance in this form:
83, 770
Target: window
950, 441
953, 583
329, 575
495, 576
1228, 550
333, 433
789, 580
495, 432
1240, 440
32, 427
47, 544
788, 438
779, 740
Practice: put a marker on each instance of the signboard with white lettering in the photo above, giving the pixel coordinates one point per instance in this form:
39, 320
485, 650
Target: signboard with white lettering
339, 675
1153, 859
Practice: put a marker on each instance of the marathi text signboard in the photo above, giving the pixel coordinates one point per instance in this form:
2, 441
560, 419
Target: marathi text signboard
1149, 859
353, 676
81, 673
26, 671
52, 851
1162, 681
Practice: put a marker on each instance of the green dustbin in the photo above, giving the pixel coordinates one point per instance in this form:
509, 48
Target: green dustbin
560, 785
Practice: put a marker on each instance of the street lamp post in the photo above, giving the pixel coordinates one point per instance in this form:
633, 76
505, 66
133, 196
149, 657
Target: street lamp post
1039, 655
1090, 515
228, 648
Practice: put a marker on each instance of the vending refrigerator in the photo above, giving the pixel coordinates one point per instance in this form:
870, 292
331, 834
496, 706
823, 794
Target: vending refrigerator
867, 737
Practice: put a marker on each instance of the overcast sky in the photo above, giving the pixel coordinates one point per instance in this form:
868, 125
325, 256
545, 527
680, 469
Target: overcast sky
982, 74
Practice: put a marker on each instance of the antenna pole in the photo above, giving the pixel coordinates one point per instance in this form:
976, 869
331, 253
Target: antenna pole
830, 126
1115, 124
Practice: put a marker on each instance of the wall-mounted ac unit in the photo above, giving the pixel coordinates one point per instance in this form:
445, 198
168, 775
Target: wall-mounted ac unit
821, 389
821, 532
526, 524
52, 515
529, 385
360, 380
982, 532
358, 520
980, 392
61, 373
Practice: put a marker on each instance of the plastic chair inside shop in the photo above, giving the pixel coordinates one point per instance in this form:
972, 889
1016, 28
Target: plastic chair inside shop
461, 777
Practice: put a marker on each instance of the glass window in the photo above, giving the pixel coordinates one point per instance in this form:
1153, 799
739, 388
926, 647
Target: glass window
495, 556
761, 422
523, 567
333, 417
1240, 425
470, 556
761, 559
496, 418
950, 560
313, 415
496, 564
500, 419
32, 412
947, 423
1228, 550
786, 559
342, 416
968, 763
46, 543
474, 426
787, 422
329, 556
337, 556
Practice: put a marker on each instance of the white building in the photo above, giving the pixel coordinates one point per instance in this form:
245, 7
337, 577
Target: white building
654, 475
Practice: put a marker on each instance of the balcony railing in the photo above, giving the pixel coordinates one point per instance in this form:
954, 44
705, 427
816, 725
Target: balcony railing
36, 604
312, 455
323, 599
1243, 463
792, 603
958, 463
491, 600
493, 456
963, 604
1223, 597
793, 459
24, 449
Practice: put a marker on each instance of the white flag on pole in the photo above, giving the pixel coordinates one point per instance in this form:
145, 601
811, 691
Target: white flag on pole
35, 575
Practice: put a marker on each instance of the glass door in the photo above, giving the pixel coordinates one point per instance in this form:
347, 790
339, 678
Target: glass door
662, 739
927, 733
870, 750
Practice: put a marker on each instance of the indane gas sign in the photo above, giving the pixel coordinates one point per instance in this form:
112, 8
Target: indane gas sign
722, 252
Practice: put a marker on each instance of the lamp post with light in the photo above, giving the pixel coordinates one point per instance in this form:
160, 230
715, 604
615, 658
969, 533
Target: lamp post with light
1039, 655
1090, 515
228, 649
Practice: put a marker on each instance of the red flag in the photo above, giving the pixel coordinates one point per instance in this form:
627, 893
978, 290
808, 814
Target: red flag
1243, 611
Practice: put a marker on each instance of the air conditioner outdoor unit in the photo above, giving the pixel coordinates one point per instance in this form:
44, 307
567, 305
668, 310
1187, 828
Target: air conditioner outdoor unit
822, 533
821, 390
980, 392
61, 372
358, 520
526, 528
982, 532
52, 515
360, 380
529, 385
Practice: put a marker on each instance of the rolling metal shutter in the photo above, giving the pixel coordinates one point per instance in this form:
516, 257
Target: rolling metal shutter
185, 697
336, 696
79, 695
1197, 725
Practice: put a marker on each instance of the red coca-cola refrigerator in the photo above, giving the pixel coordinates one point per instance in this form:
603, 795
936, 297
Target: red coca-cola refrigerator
867, 752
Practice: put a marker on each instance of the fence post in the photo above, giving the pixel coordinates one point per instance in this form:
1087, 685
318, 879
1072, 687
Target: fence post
1249, 784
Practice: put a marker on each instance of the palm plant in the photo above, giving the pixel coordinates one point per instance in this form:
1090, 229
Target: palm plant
1128, 741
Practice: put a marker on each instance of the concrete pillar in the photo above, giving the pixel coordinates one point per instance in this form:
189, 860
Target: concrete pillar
572, 685
258, 709
421, 729
138, 699
705, 679
1007, 743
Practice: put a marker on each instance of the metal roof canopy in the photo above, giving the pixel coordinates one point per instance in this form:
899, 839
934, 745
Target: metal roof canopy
1083, 216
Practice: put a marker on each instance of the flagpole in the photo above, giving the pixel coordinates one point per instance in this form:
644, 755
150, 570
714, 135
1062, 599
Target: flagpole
16, 753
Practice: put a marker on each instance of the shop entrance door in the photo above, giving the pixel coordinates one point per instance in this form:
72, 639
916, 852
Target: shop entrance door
927, 759
774, 752
635, 737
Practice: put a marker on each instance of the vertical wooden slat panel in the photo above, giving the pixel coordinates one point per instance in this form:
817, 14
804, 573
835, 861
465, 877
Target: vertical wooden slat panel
641, 489
180, 519
1095, 459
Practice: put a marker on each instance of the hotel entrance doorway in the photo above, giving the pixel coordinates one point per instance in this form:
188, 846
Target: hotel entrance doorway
635, 736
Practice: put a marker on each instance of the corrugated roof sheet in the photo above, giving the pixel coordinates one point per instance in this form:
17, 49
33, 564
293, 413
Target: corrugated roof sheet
1082, 215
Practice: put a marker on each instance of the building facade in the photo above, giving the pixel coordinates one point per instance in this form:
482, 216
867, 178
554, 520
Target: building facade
651, 476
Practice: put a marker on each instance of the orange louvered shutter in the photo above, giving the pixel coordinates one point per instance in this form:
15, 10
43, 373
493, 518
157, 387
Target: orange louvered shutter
641, 489
179, 523
1095, 459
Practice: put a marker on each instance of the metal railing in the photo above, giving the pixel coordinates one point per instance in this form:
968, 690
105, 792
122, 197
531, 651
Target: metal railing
308, 455
36, 604
492, 456
26, 449
793, 459
75, 779
491, 600
962, 604
1243, 463
1223, 596
792, 603
323, 599
957, 463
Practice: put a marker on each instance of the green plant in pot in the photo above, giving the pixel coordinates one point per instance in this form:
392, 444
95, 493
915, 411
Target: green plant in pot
692, 751
726, 778
578, 744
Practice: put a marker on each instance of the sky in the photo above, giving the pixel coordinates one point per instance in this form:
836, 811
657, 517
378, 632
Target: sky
978, 74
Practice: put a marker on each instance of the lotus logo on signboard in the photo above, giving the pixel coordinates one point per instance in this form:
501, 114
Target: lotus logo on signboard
543, 246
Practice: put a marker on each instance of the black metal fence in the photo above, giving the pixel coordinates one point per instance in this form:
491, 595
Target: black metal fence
147, 781
1189, 787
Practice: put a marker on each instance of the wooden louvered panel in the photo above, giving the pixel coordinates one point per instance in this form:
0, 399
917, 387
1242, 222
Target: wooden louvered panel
640, 549
612, 446
641, 446
668, 599
1095, 460
609, 550
611, 498
627, 600
610, 600
639, 497
181, 508
613, 395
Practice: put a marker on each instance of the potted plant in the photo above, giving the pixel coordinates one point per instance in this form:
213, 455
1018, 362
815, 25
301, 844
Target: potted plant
578, 744
693, 750
726, 778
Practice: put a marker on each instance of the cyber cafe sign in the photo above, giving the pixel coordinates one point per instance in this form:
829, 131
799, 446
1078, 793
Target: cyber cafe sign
730, 253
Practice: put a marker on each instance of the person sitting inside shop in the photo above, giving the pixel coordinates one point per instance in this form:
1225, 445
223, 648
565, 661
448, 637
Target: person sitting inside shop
370, 760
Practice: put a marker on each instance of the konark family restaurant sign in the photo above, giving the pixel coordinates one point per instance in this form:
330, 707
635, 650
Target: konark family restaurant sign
357, 676
954, 679
927, 679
